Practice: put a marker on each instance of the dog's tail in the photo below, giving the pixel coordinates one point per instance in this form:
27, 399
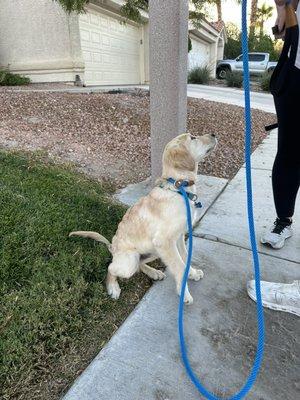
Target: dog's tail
93, 235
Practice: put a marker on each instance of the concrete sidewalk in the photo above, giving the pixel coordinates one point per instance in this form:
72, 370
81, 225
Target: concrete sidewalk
142, 360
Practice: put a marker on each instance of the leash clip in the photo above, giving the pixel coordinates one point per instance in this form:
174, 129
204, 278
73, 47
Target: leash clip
193, 197
179, 183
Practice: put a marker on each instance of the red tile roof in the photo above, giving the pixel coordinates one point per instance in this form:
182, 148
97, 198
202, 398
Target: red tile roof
218, 25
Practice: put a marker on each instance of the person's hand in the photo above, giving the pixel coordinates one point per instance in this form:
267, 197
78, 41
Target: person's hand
280, 21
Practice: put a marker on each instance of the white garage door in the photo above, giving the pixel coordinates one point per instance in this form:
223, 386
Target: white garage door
199, 56
111, 50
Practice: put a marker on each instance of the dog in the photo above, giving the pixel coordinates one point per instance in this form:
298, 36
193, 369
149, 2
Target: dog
155, 226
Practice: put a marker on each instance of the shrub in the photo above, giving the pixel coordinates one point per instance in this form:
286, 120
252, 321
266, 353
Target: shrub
200, 75
265, 81
234, 79
9, 79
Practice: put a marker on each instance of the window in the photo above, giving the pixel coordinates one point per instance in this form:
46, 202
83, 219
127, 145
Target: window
257, 57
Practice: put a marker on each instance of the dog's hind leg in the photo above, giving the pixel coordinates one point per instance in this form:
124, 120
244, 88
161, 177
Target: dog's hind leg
123, 265
153, 273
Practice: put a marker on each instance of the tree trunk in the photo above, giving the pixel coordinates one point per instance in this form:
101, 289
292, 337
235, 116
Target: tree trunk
261, 28
253, 16
219, 9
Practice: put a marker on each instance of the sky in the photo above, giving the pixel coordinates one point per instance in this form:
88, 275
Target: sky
232, 13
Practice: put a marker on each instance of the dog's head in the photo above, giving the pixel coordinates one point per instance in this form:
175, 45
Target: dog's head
185, 151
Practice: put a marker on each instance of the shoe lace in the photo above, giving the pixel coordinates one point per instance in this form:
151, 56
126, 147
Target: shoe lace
280, 225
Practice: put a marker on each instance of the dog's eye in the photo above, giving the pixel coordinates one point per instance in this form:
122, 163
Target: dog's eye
193, 137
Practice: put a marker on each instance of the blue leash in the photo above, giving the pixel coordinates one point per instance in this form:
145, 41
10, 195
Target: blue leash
260, 317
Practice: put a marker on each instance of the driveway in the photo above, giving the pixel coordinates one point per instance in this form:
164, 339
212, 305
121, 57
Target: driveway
259, 101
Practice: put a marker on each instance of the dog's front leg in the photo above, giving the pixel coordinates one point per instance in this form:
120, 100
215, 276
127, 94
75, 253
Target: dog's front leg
168, 252
194, 274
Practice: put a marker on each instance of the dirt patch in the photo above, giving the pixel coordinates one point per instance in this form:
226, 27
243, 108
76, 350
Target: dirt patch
108, 135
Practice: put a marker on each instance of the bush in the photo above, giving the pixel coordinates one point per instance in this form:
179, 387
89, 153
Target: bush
200, 75
9, 79
234, 79
265, 81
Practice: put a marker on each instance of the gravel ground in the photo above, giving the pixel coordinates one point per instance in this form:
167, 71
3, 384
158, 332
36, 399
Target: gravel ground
108, 135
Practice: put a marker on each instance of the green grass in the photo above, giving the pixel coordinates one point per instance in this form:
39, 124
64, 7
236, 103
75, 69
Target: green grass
55, 314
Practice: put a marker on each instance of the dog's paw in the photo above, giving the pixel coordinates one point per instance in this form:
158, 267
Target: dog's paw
158, 275
187, 296
114, 290
196, 274
188, 299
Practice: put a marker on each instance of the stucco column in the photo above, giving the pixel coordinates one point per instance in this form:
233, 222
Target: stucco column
168, 74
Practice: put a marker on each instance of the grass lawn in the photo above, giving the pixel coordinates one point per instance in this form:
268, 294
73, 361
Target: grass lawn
55, 314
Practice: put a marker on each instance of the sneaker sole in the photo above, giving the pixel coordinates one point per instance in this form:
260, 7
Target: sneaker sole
278, 307
277, 246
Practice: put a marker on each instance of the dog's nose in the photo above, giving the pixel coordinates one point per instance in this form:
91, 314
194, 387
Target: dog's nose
213, 135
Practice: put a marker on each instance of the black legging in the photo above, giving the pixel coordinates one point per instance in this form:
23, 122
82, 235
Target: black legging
286, 169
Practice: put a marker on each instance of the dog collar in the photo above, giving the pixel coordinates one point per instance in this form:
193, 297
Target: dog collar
180, 183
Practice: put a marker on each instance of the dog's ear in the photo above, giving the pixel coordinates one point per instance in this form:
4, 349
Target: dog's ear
178, 157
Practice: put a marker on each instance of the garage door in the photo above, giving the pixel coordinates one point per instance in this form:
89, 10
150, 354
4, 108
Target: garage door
111, 51
199, 56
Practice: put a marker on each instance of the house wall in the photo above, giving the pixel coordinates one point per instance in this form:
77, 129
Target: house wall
146, 53
38, 39
221, 46
213, 58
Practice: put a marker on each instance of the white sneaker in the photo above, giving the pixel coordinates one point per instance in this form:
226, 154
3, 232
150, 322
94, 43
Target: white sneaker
278, 296
281, 231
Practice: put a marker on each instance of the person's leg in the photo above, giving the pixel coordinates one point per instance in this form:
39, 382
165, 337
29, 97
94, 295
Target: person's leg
286, 181
286, 169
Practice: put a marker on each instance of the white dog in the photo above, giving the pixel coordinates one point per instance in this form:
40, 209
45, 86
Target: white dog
155, 226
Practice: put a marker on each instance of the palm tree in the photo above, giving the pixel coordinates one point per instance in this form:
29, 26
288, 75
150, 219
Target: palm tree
131, 8
73, 5
263, 13
219, 10
254, 6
